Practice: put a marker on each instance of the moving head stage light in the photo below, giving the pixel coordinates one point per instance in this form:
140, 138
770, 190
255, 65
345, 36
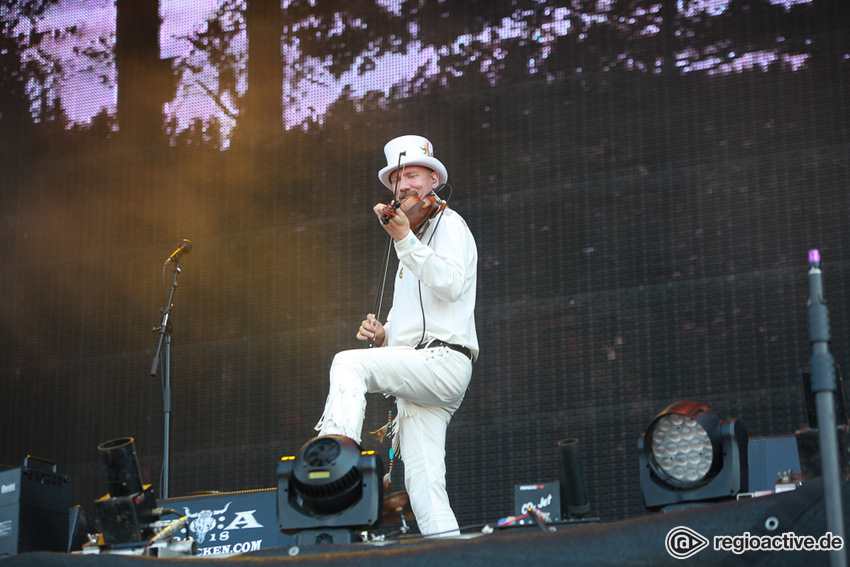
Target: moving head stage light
687, 454
329, 483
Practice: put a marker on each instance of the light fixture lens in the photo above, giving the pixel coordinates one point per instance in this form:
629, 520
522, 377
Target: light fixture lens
688, 454
681, 448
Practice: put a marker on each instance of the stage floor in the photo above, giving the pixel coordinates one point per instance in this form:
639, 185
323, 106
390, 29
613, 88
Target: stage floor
638, 541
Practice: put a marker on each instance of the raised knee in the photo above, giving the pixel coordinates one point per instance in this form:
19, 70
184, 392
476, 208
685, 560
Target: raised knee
346, 357
346, 373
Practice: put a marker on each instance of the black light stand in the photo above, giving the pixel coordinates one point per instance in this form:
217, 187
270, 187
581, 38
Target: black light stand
824, 387
575, 491
125, 514
164, 331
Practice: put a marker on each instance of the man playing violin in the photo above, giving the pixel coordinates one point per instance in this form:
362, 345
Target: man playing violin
424, 351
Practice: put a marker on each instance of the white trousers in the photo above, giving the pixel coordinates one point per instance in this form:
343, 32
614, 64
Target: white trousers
430, 385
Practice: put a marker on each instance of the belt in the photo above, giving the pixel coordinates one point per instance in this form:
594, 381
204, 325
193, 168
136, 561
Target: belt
437, 343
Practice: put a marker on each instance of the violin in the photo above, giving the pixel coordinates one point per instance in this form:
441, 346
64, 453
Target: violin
417, 210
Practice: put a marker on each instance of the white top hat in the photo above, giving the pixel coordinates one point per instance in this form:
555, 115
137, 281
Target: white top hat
413, 150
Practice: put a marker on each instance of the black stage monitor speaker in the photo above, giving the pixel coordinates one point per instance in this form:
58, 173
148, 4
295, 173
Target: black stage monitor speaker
34, 509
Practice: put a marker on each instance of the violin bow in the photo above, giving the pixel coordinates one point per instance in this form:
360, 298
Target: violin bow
379, 299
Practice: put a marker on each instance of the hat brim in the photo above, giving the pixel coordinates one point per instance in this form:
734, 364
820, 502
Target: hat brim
424, 161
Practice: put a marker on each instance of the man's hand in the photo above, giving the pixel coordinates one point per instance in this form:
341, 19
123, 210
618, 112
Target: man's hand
371, 328
399, 225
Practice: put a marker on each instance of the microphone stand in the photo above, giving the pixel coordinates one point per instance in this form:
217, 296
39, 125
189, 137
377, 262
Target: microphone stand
164, 331
824, 386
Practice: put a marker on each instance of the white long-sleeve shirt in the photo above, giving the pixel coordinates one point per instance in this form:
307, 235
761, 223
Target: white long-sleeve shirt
445, 261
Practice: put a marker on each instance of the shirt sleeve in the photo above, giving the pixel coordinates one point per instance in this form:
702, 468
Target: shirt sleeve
387, 327
444, 266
